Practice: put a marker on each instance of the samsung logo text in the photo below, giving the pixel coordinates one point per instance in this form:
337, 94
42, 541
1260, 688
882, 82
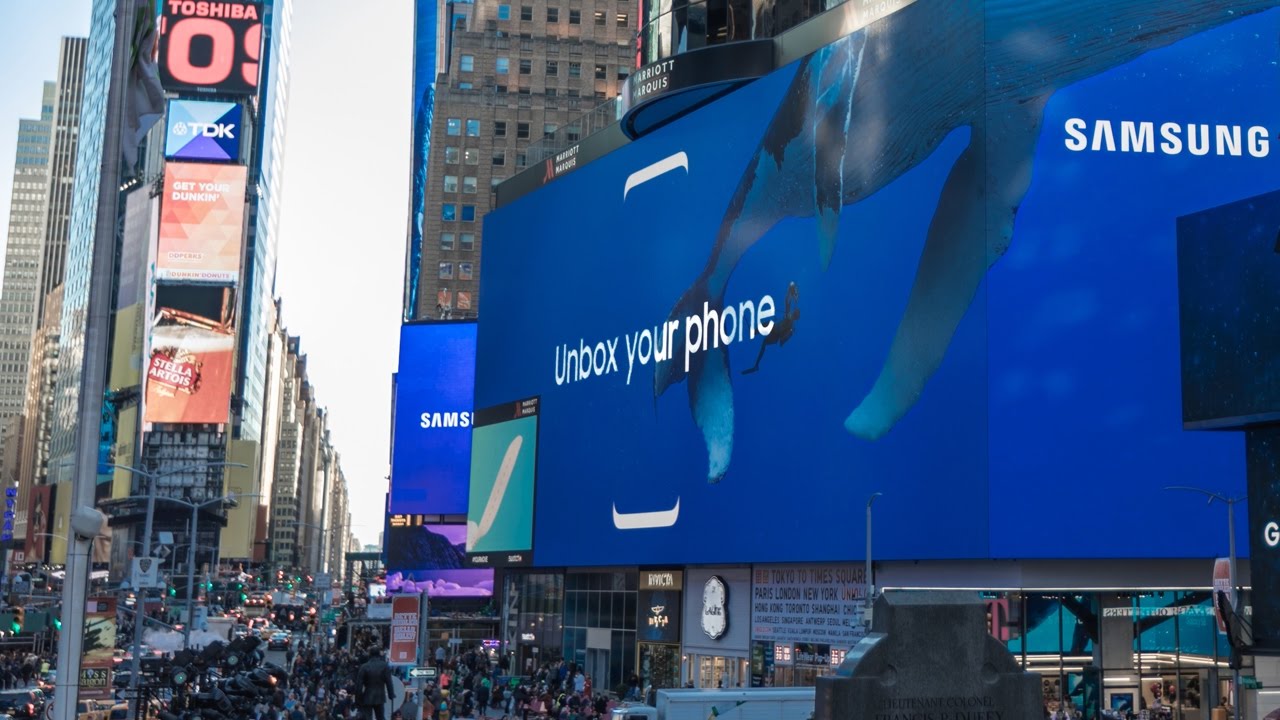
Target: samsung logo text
1169, 138
444, 420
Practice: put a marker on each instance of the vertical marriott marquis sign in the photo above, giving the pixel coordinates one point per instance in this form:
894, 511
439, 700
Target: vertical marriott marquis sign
211, 46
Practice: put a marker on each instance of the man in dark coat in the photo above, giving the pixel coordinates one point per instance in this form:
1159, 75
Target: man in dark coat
373, 685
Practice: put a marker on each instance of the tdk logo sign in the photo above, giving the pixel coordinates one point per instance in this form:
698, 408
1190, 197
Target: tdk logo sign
199, 130
212, 130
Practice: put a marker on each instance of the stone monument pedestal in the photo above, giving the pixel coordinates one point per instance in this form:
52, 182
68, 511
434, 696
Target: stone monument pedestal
929, 657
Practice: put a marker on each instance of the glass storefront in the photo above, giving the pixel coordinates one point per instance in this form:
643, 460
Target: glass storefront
717, 671
600, 625
1105, 655
539, 620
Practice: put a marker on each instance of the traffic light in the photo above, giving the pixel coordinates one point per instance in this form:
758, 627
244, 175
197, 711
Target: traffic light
19, 617
57, 621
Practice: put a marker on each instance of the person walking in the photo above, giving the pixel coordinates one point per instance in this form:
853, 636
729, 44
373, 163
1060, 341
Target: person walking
409, 710
373, 685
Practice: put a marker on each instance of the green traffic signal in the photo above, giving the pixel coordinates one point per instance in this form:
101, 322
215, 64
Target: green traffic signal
57, 623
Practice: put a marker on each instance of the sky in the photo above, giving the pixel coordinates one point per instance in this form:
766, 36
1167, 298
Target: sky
344, 210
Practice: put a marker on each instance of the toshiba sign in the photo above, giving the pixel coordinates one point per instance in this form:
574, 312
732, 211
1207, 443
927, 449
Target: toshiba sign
211, 46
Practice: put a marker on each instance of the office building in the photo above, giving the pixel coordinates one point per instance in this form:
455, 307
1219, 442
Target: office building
507, 74
40, 211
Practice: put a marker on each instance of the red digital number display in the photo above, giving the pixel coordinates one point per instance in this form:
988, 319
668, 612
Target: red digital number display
211, 46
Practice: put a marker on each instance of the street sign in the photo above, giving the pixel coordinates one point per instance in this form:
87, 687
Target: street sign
323, 580
146, 573
422, 672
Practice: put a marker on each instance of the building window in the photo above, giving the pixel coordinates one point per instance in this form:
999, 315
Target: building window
523, 91
600, 18
504, 12
448, 212
522, 131
473, 128
573, 92
575, 69
471, 156
465, 86
500, 89
575, 17
553, 14
453, 126
499, 128
573, 134
468, 213
526, 12
553, 68
469, 185
469, 239
499, 157
451, 183
464, 300
522, 160
446, 241
623, 71
451, 155
526, 66
446, 271
623, 20
551, 92
601, 72
548, 128
464, 271
494, 183
502, 65
467, 63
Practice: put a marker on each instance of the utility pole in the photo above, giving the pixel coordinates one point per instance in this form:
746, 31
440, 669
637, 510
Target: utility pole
97, 323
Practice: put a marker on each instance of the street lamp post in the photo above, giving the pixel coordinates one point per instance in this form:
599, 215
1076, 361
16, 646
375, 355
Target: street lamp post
1230, 502
151, 478
191, 552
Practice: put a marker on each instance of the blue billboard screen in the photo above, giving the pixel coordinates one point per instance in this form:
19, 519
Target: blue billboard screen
200, 130
936, 278
431, 445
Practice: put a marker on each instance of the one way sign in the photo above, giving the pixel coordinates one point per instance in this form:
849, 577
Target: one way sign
422, 672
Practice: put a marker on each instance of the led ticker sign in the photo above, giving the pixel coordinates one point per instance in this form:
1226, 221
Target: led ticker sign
211, 46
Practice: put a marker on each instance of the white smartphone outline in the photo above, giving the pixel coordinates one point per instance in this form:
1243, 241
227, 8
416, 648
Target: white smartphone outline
654, 518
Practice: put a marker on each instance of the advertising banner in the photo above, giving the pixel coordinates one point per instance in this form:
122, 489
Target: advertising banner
808, 604
957, 277
99, 648
431, 558
404, 630
40, 499
189, 365
212, 46
504, 458
1263, 449
201, 223
659, 616
425, 38
200, 130
431, 447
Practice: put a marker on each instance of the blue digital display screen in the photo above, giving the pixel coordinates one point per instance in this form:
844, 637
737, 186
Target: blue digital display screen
200, 130
431, 445
889, 268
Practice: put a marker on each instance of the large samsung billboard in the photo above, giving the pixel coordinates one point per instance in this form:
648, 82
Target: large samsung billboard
937, 259
200, 130
201, 223
212, 46
431, 444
